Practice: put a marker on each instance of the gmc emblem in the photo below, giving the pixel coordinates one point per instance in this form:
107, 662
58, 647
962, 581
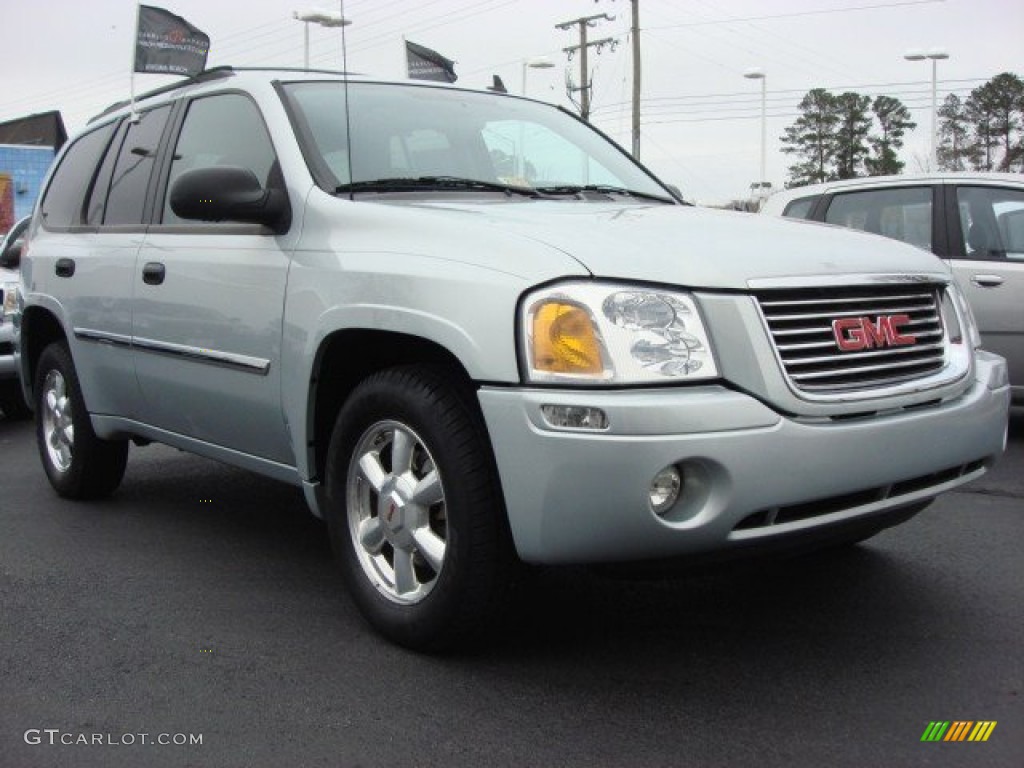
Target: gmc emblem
857, 333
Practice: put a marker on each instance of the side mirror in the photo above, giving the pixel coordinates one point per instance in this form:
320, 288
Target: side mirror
11, 257
229, 193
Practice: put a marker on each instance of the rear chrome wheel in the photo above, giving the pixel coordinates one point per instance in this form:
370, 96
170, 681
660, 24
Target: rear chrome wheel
58, 427
79, 464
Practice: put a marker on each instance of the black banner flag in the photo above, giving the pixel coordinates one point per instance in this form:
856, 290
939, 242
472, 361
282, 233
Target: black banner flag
166, 44
425, 64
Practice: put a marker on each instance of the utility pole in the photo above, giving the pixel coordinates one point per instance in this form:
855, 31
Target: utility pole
584, 86
634, 31
636, 78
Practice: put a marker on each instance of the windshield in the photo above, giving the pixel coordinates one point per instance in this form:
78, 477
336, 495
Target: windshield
450, 139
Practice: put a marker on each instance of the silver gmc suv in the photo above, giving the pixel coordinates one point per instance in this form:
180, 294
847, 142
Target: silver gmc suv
475, 332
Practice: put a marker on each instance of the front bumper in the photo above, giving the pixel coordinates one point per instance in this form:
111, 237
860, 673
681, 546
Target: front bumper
750, 475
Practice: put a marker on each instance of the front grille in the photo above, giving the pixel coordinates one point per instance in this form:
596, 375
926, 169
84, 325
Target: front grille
801, 322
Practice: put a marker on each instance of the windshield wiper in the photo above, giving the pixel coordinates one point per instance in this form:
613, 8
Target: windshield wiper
432, 183
607, 189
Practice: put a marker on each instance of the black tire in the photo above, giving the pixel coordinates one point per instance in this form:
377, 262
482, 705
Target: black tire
12, 401
452, 535
78, 463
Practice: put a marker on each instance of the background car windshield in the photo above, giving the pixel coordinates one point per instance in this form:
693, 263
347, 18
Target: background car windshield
412, 131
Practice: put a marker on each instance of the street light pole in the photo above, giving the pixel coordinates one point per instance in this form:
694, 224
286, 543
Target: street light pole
759, 74
935, 54
538, 63
322, 18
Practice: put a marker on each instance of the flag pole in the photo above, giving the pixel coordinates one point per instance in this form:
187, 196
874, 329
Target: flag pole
134, 116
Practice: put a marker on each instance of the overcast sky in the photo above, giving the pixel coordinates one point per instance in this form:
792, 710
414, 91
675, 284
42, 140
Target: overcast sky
701, 118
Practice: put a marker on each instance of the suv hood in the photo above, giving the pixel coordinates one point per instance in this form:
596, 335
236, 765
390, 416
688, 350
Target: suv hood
692, 247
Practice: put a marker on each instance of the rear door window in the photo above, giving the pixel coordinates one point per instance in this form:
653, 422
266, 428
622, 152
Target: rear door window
902, 213
126, 198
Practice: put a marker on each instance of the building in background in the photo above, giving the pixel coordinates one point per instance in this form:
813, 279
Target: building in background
27, 148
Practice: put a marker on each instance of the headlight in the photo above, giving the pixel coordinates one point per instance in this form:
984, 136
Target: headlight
601, 333
959, 318
10, 299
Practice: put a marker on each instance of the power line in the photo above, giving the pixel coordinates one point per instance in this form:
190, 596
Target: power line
769, 53
797, 14
781, 93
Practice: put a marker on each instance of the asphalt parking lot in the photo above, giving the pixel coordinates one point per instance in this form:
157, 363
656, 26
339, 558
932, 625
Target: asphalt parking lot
201, 601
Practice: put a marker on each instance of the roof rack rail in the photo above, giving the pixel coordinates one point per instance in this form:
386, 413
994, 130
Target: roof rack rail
299, 70
216, 73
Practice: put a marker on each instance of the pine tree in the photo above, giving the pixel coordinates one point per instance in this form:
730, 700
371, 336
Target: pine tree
997, 109
983, 135
851, 138
812, 138
955, 150
893, 122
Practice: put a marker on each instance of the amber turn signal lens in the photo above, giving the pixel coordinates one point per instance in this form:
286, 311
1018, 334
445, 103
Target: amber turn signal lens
564, 340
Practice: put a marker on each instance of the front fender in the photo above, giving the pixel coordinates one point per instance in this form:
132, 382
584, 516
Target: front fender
466, 310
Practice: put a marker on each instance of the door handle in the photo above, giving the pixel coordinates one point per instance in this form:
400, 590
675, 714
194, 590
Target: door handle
153, 273
64, 267
987, 281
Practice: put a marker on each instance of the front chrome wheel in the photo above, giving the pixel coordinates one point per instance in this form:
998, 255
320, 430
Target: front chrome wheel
397, 516
58, 425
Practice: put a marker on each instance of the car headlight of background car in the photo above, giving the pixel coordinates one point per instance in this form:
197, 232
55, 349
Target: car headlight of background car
10, 306
589, 333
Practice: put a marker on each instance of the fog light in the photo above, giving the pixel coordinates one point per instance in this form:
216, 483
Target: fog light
665, 489
575, 417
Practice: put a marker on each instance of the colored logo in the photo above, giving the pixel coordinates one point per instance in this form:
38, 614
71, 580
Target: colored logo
856, 333
958, 730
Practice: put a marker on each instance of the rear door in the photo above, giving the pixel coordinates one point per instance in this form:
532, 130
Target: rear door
93, 217
987, 234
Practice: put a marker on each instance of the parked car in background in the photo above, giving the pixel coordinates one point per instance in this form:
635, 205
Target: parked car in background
975, 221
12, 401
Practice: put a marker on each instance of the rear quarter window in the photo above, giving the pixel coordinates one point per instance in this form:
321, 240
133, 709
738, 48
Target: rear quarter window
800, 208
64, 199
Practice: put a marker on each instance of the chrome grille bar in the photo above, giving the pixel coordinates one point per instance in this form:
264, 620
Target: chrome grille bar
887, 310
831, 343
918, 349
834, 301
800, 322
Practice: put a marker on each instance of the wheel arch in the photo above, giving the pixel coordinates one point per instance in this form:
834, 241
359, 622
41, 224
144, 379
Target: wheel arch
39, 328
346, 357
